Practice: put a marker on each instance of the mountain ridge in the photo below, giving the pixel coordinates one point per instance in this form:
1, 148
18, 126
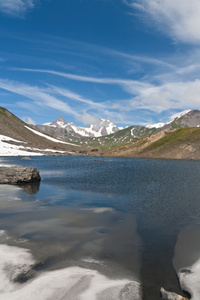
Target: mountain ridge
100, 128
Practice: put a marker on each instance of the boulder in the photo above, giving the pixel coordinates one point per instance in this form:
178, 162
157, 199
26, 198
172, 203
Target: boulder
17, 175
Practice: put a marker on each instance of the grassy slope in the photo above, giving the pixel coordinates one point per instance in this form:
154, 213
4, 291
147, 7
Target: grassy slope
181, 143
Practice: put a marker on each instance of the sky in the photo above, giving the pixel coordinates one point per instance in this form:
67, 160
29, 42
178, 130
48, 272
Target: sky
134, 62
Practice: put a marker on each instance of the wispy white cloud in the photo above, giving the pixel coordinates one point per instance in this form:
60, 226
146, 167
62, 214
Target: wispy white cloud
40, 96
139, 58
102, 80
177, 94
16, 7
173, 95
74, 96
93, 53
180, 19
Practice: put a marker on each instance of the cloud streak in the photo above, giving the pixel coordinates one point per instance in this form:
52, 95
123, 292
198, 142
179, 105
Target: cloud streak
16, 7
74, 96
180, 19
101, 80
176, 94
38, 95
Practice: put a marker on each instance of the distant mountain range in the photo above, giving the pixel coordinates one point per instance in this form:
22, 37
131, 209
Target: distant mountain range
61, 129
179, 138
104, 134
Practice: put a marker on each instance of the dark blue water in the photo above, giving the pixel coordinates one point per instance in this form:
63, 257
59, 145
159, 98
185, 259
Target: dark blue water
152, 201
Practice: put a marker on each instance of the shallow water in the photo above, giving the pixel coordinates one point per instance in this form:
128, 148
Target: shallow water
119, 216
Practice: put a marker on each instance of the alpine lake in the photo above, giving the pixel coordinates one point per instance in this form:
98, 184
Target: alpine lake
124, 217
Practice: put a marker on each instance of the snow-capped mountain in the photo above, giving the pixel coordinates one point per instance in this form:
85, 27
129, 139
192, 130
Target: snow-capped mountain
101, 128
172, 118
105, 134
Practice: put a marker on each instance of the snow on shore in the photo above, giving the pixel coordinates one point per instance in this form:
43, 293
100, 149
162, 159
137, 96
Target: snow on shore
69, 283
7, 149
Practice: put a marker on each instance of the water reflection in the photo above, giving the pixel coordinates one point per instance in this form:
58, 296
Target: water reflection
168, 202
83, 235
187, 259
187, 247
30, 188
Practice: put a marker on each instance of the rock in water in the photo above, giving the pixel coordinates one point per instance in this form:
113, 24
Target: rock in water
16, 174
170, 295
26, 158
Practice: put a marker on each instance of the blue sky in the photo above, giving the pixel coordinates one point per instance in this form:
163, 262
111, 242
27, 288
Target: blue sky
129, 61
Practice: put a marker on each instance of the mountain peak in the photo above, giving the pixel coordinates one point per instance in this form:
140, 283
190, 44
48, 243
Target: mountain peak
60, 122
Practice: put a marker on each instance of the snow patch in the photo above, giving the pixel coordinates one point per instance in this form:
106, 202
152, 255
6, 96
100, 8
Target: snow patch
132, 133
190, 280
4, 138
47, 124
157, 125
68, 283
178, 115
